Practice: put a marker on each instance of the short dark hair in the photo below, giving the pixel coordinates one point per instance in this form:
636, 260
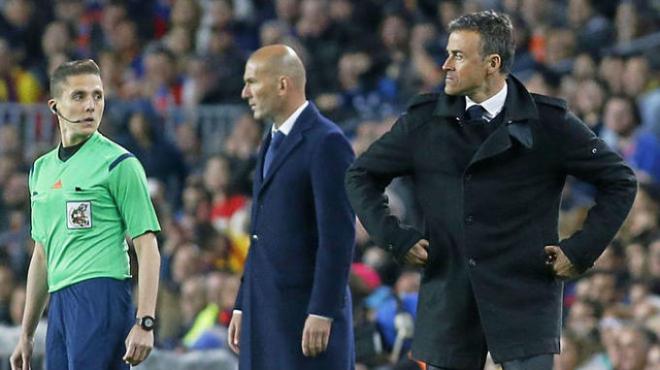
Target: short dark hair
496, 31
72, 68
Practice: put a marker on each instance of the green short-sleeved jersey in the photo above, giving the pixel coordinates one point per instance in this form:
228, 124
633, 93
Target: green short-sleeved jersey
83, 208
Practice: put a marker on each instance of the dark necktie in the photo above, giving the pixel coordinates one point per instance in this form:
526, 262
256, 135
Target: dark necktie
475, 114
275, 142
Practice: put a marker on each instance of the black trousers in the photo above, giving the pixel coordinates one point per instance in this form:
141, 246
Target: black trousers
540, 362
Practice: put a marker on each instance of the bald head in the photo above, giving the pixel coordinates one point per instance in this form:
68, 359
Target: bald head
281, 60
274, 83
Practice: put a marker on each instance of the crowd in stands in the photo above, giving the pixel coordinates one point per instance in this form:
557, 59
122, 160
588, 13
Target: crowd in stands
365, 59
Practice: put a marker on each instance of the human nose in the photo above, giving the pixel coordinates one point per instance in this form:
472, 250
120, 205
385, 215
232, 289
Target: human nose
90, 104
448, 64
245, 93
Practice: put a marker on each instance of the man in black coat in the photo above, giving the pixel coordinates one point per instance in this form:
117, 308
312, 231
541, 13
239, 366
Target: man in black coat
489, 161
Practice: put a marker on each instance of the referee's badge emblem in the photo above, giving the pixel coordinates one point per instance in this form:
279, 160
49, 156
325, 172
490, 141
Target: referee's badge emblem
79, 215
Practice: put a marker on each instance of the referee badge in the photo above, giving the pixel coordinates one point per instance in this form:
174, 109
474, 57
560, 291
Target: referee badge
79, 215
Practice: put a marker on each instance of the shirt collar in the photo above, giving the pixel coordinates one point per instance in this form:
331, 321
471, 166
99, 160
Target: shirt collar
287, 125
492, 105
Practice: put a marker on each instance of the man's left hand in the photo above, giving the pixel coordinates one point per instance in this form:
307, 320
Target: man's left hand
316, 335
561, 265
138, 345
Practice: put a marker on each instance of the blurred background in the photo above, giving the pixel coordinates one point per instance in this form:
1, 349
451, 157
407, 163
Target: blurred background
172, 72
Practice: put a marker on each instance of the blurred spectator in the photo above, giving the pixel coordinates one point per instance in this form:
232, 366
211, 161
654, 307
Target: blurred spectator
228, 207
17, 305
629, 22
403, 299
15, 197
543, 81
14, 238
226, 62
221, 15
16, 83
636, 75
185, 15
653, 358
162, 84
57, 45
75, 15
611, 72
188, 143
636, 259
575, 351
320, 37
594, 31
590, 99
22, 27
426, 54
620, 122
193, 301
7, 285
654, 265
10, 149
560, 46
160, 158
182, 263
400, 81
633, 345
124, 40
241, 149
180, 42
357, 96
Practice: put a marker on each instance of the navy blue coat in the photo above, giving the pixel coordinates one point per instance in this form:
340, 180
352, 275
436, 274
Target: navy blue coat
303, 233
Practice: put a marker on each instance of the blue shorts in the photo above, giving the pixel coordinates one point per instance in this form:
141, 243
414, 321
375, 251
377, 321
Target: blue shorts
87, 325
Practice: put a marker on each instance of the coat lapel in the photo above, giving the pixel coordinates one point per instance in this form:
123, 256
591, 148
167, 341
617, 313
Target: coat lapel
498, 142
258, 179
292, 140
520, 110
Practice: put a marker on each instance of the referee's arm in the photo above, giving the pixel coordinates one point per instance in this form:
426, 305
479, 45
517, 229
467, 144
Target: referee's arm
35, 302
139, 342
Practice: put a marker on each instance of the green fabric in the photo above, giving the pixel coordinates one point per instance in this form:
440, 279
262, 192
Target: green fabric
82, 210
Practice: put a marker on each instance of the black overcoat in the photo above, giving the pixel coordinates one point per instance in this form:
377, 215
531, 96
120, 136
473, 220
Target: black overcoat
489, 218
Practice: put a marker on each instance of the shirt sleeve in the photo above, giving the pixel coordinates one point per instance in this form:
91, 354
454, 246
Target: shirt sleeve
33, 223
128, 186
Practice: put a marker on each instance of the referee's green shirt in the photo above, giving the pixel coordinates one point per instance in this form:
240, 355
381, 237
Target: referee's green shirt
83, 208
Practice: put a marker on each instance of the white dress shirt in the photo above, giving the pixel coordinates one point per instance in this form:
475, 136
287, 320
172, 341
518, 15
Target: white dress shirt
492, 105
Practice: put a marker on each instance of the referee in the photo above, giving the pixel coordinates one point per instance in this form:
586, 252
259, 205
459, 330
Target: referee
86, 196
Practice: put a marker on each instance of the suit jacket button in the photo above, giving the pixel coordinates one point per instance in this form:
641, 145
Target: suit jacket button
472, 262
390, 247
255, 237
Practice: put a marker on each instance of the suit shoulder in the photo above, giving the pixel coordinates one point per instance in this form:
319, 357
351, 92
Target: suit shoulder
545, 100
422, 100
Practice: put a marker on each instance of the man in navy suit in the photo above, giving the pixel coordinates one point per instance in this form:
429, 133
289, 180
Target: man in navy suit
293, 310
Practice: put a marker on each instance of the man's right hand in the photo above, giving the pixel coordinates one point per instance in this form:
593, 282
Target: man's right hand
20, 359
418, 255
234, 334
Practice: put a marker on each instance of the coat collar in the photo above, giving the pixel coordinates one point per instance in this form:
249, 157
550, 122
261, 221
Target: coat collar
304, 122
519, 109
